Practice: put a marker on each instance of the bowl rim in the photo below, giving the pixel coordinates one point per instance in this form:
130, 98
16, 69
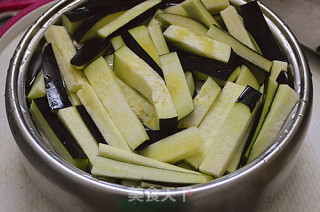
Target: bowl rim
18, 116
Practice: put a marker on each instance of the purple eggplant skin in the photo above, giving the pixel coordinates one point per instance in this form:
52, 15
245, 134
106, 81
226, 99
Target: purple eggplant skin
90, 124
157, 135
56, 91
134, 46
211, 67
90, 50
137, 21
99, 12
243, 159
58, 128
249, 97
257, 26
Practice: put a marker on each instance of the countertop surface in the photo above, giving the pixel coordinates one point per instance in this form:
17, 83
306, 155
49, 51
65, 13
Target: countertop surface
300, 193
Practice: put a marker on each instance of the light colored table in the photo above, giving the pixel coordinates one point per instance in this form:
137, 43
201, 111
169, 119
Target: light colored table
17, 193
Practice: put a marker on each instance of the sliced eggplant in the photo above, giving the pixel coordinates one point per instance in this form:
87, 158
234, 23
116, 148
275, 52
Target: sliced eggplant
214, 119
215, 6
71, 26
157, 135
269, 89
235, 26
167, 19
158, 39
153, 21
88, 29
242, 50
232, 78
91, 50
176, 147
38, 88
186, 40
117, 42
283, 103
277, 67
134, 46
137, 14
56, 92
247, 78
110, 168
140, 106
90, 124
204, 100
177, 10
229, 137
177, 84
199, 12
249, 97
142, 36
57, 135
133, 158
199, 77
257, 26
190, 82
102, 79
64, 50
208, 66
139, 75
101, 118
72, 120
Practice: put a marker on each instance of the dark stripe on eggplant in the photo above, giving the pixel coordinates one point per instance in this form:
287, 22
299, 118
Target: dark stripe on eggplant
211, 67
78, 14
90, 124
249, 97
56, 92
132, 44
157, 135
58, 128
243, 159
89, 23
257, 26
137, 21
99, 13
90, 50
283, 78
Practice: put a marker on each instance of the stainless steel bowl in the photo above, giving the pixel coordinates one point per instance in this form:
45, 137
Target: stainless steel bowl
72, 189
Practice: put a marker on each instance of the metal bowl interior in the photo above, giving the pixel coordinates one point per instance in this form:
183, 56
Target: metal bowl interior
41, 158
